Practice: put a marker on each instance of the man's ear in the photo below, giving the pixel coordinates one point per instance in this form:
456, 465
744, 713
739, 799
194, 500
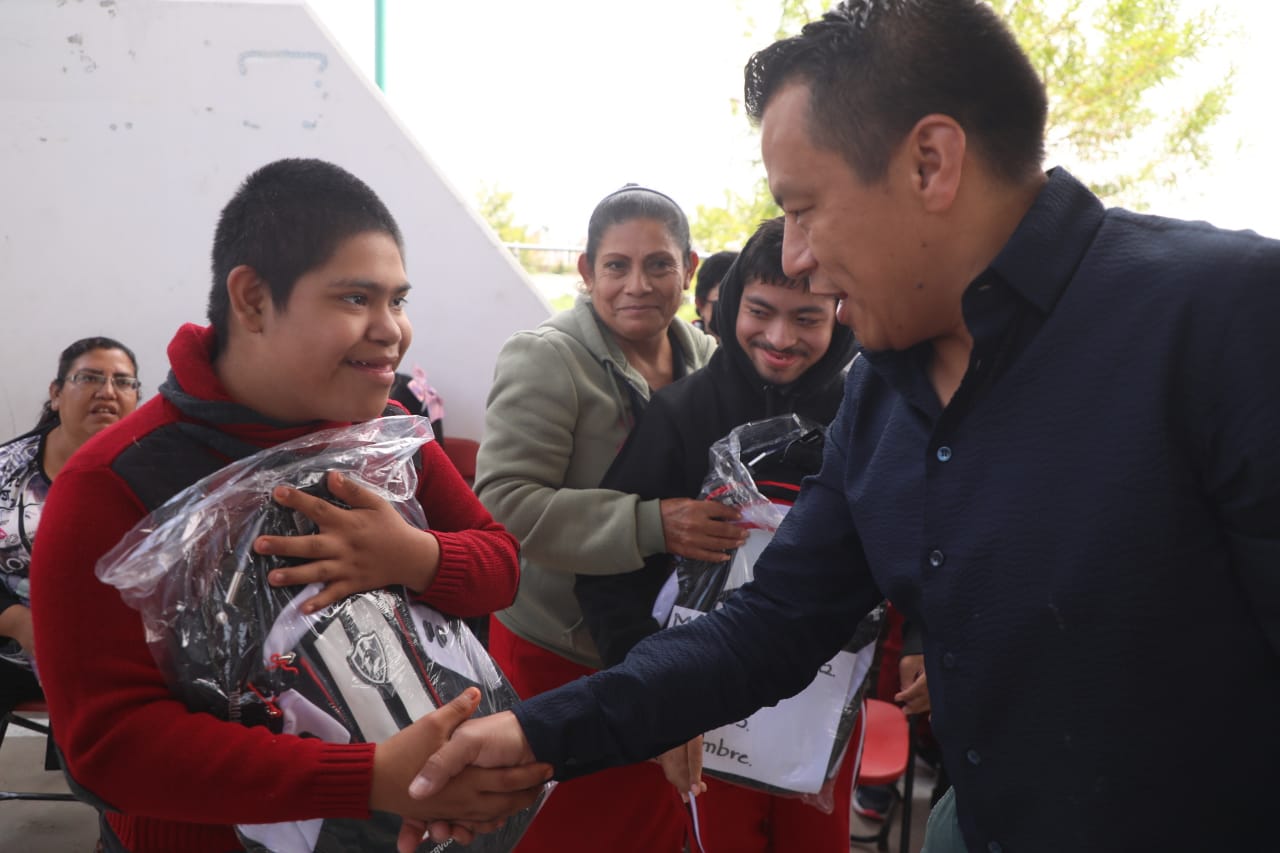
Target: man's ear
249, 297
936, 148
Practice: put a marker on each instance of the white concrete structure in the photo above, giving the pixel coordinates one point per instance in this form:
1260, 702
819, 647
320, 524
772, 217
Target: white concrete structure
127, 124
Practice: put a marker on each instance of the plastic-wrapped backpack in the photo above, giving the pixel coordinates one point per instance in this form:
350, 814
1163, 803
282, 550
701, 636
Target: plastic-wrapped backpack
796, 747
231, 645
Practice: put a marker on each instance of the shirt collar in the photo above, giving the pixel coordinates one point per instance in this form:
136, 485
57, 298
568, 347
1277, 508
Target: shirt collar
1036, 264
1050, 242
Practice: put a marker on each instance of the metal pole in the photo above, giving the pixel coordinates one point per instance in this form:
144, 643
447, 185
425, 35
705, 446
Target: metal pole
379, 43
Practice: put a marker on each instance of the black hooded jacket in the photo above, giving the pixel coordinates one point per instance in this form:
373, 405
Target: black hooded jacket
666, 455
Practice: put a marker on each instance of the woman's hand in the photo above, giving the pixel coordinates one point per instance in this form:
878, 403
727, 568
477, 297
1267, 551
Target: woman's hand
700, 530
15, 622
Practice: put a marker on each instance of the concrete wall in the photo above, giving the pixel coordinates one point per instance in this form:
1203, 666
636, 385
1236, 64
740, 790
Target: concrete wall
127, 124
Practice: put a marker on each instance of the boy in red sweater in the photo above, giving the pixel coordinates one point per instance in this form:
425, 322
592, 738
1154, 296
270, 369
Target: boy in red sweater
308, 325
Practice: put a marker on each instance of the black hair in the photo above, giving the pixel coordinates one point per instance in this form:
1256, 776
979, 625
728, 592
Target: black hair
633, 201
876, 67
48, 416
286, 219
761, 258
710, 272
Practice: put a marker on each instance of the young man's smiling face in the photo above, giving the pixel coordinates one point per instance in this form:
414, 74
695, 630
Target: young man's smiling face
783, 330
331, 352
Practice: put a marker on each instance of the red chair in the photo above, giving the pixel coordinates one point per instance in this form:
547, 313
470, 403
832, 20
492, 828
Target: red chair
462, 453
21, 717
884, 758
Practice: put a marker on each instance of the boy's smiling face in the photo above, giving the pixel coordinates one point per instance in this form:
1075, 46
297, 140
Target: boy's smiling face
332, 351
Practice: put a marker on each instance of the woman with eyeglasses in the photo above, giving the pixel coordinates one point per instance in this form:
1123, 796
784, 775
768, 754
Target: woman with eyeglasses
96, 386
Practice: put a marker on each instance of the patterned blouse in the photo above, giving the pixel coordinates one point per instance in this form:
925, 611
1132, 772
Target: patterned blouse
23, 489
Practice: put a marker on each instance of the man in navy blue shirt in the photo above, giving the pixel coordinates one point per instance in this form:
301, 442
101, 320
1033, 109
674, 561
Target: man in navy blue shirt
1060, 458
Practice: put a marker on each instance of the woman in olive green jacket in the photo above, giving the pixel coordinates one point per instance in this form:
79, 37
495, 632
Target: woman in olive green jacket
564, 398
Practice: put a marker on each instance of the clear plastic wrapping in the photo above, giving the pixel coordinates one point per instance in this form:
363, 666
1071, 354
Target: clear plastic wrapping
794, 748
231, 645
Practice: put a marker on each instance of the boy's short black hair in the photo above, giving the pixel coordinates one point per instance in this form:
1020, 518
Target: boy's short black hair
288, 218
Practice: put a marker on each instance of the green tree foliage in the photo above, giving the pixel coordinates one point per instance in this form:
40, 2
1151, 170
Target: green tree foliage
728, 227
1108, 66
494, 206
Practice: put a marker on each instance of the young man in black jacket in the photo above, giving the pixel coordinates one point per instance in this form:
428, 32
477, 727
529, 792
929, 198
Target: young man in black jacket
781, 351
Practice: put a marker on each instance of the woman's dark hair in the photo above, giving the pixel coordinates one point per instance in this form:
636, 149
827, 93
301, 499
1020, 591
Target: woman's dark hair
48, 417
633, 201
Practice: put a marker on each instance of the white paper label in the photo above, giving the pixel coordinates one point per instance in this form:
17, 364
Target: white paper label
788, 745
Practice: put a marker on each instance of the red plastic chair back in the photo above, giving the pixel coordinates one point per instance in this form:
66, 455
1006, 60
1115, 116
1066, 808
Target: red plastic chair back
462, 453
886, 744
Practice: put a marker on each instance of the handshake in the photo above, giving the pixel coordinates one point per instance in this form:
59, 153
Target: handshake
476, 774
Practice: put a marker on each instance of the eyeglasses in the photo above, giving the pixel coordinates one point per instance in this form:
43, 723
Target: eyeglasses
123, 384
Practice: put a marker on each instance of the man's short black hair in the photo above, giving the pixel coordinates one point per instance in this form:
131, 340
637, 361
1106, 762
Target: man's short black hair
710, 272
288, 218
876, 67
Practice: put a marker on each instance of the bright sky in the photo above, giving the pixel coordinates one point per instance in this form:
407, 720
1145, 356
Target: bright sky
561, 101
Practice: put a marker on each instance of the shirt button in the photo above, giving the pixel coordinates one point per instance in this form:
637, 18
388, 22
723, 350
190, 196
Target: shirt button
936, 558
948, 660
973, 757
944, 454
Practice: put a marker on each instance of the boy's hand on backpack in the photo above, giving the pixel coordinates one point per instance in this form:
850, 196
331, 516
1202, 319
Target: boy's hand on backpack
369, 546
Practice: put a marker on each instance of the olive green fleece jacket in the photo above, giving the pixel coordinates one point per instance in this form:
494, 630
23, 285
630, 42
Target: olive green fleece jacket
558, 413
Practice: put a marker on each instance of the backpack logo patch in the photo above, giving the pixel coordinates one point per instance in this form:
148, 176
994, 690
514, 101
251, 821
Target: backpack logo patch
368, 660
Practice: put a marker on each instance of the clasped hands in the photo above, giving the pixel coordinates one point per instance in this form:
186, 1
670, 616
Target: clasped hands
473, 779
479, 772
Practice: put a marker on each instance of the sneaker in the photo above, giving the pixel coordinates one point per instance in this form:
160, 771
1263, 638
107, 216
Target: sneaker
873, 801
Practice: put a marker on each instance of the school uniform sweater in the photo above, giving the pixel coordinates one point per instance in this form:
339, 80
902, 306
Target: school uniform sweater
180, 780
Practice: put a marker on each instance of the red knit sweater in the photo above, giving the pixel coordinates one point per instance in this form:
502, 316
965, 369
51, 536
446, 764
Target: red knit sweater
180, 780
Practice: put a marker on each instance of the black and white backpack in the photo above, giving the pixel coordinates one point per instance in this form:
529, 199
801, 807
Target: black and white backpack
232, 645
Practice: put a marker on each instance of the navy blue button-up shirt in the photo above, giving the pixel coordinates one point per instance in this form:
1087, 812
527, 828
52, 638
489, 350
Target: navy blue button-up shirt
1088, 534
